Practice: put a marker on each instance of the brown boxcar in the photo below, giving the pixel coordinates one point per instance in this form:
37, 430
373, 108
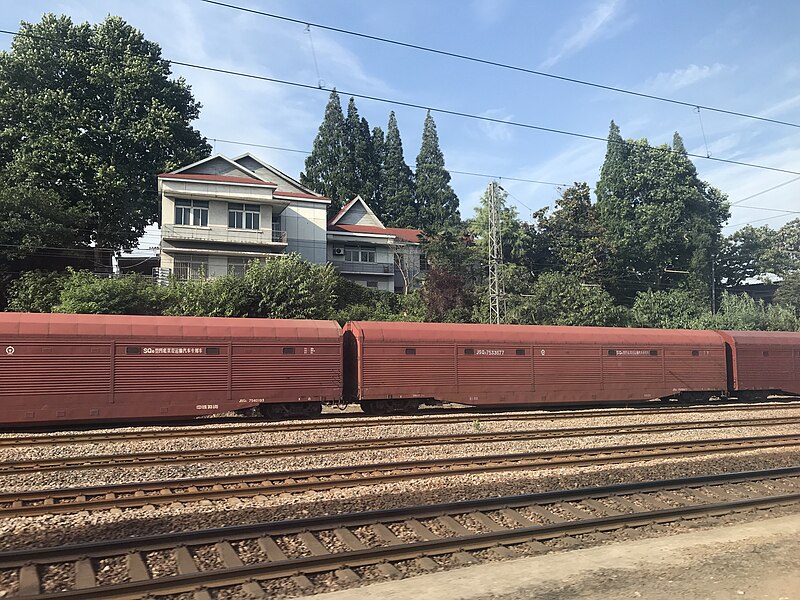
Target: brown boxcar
524, 364
764, 361
58, 367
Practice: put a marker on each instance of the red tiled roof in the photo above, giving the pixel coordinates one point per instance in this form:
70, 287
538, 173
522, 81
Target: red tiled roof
216, 178
299, 195
409, 235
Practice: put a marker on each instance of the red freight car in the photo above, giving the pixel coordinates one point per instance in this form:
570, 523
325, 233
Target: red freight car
56, 367
391, 366
763, 362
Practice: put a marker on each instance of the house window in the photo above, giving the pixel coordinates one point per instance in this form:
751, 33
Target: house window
359, 254
372, 284
237, 266
189, 266
191, 212
244, 216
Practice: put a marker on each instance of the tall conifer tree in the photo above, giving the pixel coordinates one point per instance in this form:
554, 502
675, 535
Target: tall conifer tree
397, 181
360, 165
325, 167
436, 201
378, 147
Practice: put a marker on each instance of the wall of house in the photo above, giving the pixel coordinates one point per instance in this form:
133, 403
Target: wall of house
306, 230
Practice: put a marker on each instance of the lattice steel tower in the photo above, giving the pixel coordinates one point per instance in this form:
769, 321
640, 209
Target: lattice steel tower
496, 288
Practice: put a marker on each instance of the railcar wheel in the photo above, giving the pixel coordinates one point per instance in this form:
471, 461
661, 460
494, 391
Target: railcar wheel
290, 410
390, 407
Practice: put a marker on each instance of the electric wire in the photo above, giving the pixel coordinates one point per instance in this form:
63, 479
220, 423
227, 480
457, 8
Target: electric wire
498, 64
443, 111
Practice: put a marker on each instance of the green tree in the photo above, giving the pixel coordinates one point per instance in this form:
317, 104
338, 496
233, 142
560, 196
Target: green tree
572, 236
788, 292
656, 216
36, 291
741, 312
437, 203
282, 288
674, 309
783, 254
562, 299
397, 182
90, 113
448, 290
84, 292
34, 218
325, 167
745, 254
360, 165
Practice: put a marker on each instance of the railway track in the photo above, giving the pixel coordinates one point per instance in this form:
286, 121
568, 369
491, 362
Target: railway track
161, 493
290, 555
239, 453
200, 428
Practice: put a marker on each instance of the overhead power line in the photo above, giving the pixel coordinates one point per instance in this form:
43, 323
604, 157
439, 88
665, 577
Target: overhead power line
465, 115
443, 111
775, 187
501, 65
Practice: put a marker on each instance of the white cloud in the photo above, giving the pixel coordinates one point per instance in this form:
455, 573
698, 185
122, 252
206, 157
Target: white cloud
593, 27
781, 107
721, 146
497, 132
681, 78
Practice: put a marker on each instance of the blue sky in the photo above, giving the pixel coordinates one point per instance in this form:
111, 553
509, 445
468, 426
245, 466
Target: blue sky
737, 55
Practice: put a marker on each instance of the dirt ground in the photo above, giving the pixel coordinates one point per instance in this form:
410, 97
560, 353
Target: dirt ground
756, 560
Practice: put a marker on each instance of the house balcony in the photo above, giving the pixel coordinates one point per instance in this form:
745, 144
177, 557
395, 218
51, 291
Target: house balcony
260, 237
363, 268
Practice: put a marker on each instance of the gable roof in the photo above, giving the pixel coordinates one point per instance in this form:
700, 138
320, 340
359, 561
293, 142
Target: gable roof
347, 207
245, 172
294, 182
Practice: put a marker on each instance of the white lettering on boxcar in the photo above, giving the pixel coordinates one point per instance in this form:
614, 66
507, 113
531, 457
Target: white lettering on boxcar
171, 350
9, 350
485, 352
207, 406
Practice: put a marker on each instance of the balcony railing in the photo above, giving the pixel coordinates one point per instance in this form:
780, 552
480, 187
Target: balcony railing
223, 234
374, 268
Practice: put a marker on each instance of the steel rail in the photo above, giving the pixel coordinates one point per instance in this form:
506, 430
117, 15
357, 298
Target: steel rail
239, 453
198, 427
715, 494
99, 549
133, 495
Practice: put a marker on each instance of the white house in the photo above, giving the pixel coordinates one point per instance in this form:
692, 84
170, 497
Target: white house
220, 213
364, 251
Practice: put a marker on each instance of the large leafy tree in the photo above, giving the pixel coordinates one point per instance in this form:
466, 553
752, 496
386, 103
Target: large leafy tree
89, 115
571, 236
657, 217
436, 201
744, 254
326, 166
397, 181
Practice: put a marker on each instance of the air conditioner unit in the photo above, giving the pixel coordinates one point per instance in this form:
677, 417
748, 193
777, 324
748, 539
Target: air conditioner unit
338, 251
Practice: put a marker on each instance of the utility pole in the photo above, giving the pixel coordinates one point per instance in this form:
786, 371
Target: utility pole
713, 284
496, 288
